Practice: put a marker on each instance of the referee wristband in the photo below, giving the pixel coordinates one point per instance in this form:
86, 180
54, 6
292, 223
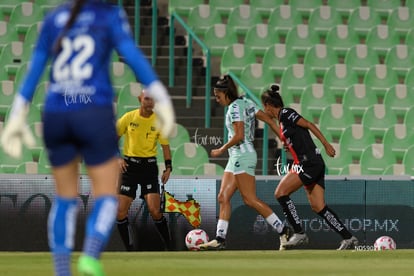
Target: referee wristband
168, 164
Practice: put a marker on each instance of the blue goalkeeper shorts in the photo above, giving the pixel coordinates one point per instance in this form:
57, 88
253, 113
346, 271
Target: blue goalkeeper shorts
88, 133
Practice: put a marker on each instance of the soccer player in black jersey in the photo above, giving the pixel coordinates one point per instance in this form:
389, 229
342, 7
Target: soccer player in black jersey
308, 169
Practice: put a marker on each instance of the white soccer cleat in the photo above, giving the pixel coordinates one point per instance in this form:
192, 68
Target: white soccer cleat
285, 236
348, 243
297, 239
213, 245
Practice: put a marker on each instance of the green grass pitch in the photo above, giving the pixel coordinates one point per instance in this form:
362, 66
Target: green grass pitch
226, 263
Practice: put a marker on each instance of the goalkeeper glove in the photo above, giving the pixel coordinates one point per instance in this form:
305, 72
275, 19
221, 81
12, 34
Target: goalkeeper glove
17, 132
163, 108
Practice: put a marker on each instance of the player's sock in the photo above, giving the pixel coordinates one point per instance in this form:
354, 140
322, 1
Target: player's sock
162, 227
125, 231
61, 232
333, 221
275, 222
289, 209
222, 227
99, 225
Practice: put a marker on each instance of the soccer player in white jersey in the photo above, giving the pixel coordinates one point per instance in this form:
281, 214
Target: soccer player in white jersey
239, 173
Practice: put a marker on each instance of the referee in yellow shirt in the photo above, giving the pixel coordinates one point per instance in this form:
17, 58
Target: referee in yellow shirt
139, 167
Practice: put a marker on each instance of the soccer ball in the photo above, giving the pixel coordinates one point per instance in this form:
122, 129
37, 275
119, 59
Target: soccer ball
194, 238
385, 243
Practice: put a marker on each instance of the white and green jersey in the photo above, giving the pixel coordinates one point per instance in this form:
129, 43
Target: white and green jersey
242, 110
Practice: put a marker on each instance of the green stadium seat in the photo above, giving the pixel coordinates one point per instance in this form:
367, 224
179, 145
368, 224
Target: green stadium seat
320, 58
397, 139
314, 100
24, 15
341, 38
235, 58
37, 131
211, 169
277, 58
12, 56
305, 7
183, 7
400, 58
188, 157
259, 38
266, 7
399, 98
128, 98
48, 5
408, 161
335, 165
7, 34
242, 17
9, 164
358, 98
323, 19
301, 38
394, 169
374, 160
401, 20
360, 58
384, 7
339, 78
225, 7
381, 38
179, 136
121, 74
283, 18
202, 17
378, 118
26, 168
40, 94
6, 96
344, 8
296, 78
381, 78
255, 77
363, 19
408, 119
355, 139
7, 8
335, 119
218, 37
44, 166
32, 34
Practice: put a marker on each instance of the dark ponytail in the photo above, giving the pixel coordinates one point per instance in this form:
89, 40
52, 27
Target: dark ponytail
76, 8
227, 85
272, 97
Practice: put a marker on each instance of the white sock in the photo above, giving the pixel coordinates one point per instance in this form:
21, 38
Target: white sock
275, 222
222, 226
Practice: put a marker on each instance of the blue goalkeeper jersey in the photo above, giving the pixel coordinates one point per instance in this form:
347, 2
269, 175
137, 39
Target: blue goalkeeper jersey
79, 74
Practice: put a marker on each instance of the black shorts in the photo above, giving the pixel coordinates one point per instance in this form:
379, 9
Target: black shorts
140, 171
312, 171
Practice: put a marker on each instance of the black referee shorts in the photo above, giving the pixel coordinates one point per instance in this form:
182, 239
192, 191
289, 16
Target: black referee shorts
140, 171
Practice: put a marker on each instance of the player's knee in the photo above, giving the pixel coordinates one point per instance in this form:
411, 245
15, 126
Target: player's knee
222, 198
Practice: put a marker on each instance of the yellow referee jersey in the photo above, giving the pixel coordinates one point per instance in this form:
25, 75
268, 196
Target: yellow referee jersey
140, 134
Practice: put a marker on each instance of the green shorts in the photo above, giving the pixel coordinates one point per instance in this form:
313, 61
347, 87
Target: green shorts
242, 163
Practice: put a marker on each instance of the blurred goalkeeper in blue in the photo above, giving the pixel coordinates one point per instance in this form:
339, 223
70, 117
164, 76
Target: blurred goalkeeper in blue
78, 119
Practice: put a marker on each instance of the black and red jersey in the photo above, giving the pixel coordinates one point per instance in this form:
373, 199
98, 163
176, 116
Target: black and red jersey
298, 139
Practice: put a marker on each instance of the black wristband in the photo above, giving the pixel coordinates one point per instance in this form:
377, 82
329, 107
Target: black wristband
168, 164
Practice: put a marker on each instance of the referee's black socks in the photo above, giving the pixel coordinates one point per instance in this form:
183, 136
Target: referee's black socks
126, 234
162, 227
